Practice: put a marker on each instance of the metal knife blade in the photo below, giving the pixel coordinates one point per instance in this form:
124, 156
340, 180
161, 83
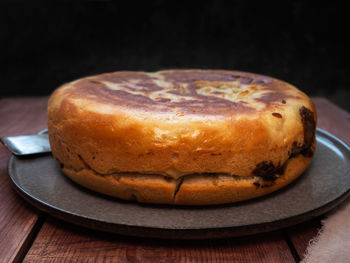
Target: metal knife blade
28, 144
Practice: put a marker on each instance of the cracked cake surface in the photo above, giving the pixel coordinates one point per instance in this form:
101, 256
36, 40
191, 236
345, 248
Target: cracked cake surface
191, 137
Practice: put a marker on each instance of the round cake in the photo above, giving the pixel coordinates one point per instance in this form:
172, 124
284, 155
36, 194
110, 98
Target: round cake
184, 137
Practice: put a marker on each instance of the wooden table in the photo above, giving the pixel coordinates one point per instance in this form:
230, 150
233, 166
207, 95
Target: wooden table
32, 236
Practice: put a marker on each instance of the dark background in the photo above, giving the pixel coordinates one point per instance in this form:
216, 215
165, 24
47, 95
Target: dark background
44, 45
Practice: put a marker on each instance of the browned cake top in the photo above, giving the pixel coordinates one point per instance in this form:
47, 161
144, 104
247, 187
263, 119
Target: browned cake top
210, 92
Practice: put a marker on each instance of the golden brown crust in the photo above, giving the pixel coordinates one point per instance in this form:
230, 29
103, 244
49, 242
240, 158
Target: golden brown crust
189, 190
177, 123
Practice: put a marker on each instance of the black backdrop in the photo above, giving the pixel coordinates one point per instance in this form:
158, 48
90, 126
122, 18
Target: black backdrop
44, 45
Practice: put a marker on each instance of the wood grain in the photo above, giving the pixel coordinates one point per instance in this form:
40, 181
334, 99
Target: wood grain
336, 121
333, 119
67, 243
17, 218
301, 235
22, 115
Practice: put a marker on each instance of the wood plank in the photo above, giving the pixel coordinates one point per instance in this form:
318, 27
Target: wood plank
333, 119
62, 242
336, 121
301, 235
17, 218
22, 115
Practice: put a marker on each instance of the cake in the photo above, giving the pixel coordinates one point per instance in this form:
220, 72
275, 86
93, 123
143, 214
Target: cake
182, 137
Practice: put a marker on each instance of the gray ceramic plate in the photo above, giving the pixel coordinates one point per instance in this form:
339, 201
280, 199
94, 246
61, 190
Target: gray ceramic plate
323, 186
